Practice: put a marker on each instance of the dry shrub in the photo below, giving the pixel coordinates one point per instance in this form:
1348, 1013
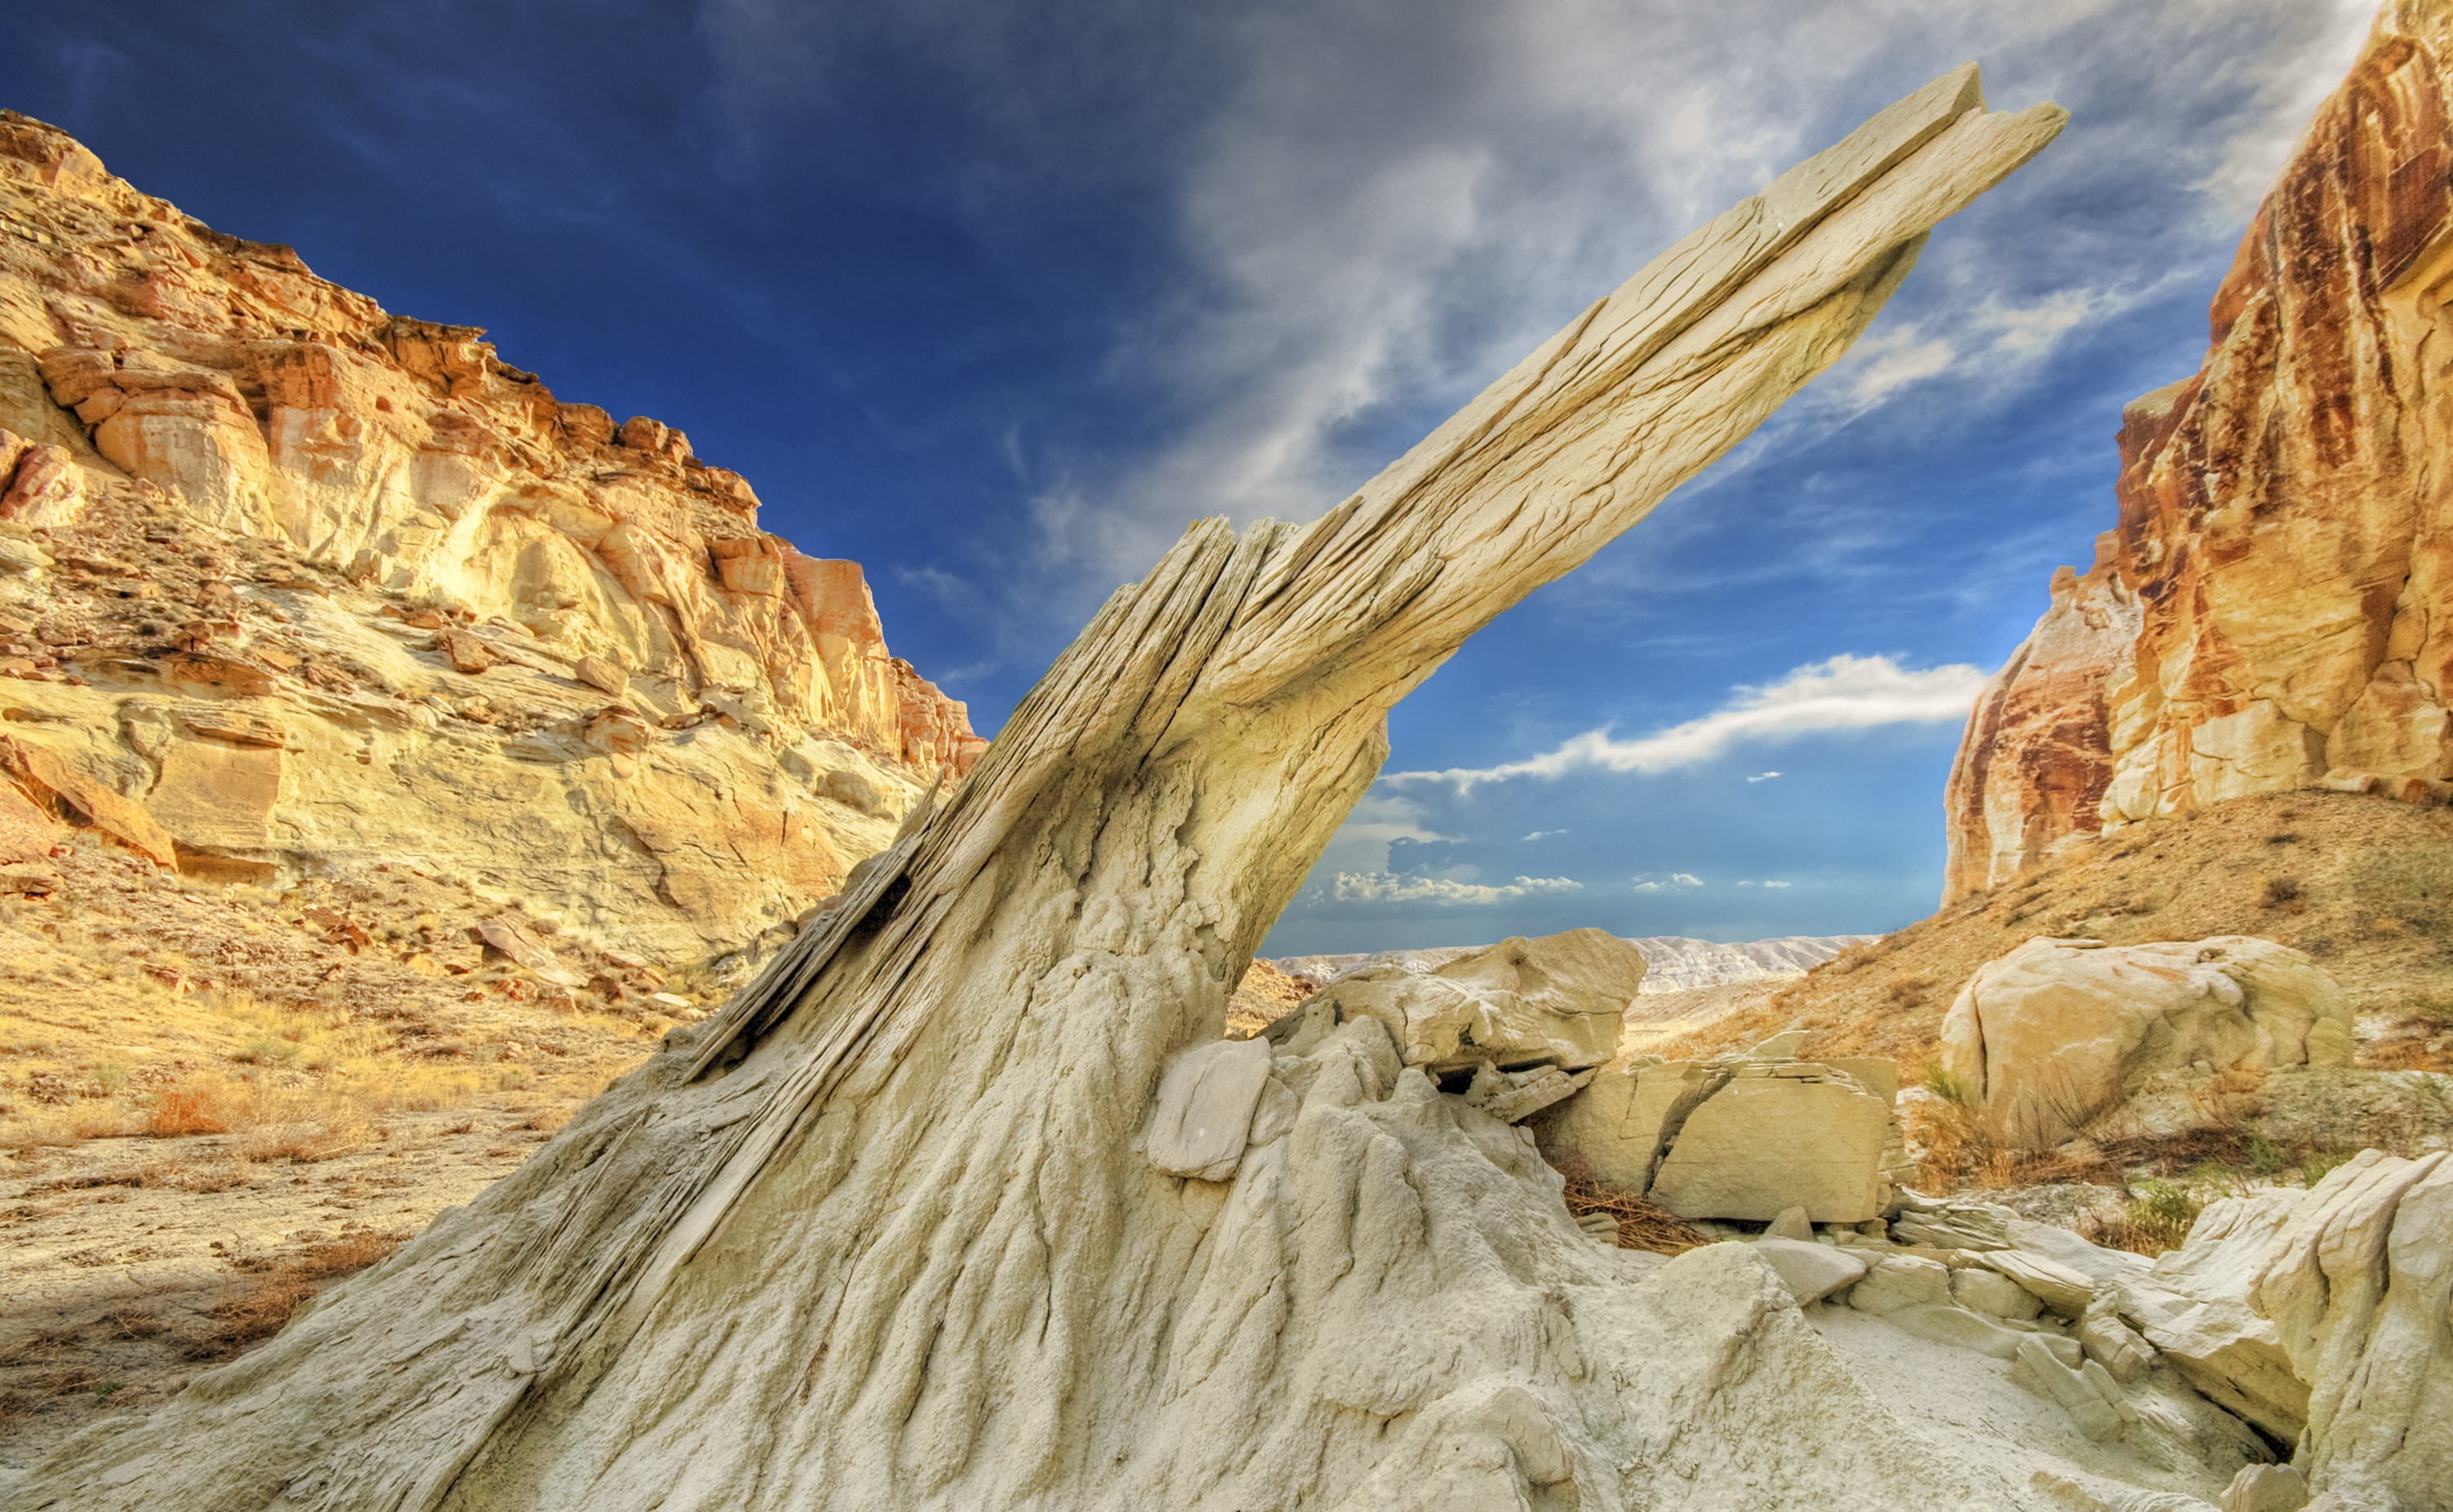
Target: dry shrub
2157, 1217
133, 1323
261, 1311
192, 1108
290, 1281
1641, 1225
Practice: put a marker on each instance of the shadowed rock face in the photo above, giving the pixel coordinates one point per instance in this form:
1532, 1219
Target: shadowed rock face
2273, 607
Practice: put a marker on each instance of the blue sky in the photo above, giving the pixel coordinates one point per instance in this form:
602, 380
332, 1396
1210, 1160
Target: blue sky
996, 298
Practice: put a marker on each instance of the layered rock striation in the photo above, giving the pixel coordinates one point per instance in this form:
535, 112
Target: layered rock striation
2272, 609
309, 584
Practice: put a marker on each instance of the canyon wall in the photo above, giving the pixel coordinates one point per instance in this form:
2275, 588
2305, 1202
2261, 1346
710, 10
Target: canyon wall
310, 586
2275, 608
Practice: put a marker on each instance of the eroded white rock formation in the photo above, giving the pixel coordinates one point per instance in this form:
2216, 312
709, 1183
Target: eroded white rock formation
880, 1236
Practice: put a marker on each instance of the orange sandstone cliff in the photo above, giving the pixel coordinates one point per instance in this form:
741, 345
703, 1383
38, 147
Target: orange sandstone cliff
292, 584
2275, 608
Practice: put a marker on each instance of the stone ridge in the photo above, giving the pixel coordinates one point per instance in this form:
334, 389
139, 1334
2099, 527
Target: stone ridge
2273, 611
313, 584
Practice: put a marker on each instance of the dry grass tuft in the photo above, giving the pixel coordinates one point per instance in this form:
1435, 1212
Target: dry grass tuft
290, 1281
1641, 1225
180, 1111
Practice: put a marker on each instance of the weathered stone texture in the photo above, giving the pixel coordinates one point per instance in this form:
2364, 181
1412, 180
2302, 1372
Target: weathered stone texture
2276, 603
2059, 1032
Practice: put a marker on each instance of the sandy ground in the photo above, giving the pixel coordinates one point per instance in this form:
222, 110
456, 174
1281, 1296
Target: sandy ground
132, 1263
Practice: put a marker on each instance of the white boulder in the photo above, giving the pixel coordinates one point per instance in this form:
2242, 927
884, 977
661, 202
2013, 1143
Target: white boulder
1811, 1271
2059, 1032
1560, 999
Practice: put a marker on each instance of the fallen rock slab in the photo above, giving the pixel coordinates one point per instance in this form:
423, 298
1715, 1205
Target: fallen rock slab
1810, 1271
1763, 1142
1560, 999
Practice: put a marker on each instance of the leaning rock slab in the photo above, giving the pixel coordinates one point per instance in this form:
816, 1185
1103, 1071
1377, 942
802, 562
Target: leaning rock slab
1765, 1143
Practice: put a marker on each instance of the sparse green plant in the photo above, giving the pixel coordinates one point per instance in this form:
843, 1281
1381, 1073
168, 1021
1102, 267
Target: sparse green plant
1942, 1083
2317, 1164
2159, 1216
2265, 1156
111, 1077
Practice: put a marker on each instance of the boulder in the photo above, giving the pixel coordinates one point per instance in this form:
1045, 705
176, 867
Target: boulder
2059, 1032
601, 674
1810, 1271
2321, 1316
2266, 1488
1202, 1115
2068, 1292
1560, 999
1901, 1281
1618, 1125
1993, 1294
1775, 1137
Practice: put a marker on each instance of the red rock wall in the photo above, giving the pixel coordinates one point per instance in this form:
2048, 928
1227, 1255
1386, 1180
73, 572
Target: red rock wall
2283, 544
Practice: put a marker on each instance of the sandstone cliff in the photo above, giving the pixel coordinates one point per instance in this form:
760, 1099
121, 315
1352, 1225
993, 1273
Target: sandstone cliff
2273, 611
292, 584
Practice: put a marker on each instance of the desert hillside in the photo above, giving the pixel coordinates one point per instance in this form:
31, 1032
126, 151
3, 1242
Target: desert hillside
389, 751
2363, 883
292, 585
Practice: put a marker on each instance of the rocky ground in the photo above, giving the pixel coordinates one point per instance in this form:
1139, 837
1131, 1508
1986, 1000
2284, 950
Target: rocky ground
215, 1097
2360, 882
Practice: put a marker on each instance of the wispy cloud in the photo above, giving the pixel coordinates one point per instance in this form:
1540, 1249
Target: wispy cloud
1846, 692
1763, 885
1762, 777
1543, 834
1676, 879
1380, 886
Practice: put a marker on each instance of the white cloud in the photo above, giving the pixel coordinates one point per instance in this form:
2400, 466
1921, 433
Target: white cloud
1677, 879
1846, 692
1380, 886
1762, 777
1543, 834
1763, 885
1371, 211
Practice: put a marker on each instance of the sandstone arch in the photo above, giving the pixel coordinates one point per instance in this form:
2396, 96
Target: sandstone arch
879, 1235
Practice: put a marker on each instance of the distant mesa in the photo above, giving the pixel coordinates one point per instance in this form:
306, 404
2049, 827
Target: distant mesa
1672, 963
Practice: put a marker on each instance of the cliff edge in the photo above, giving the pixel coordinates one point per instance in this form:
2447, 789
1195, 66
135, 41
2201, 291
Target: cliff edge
292, 586
2275, 608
